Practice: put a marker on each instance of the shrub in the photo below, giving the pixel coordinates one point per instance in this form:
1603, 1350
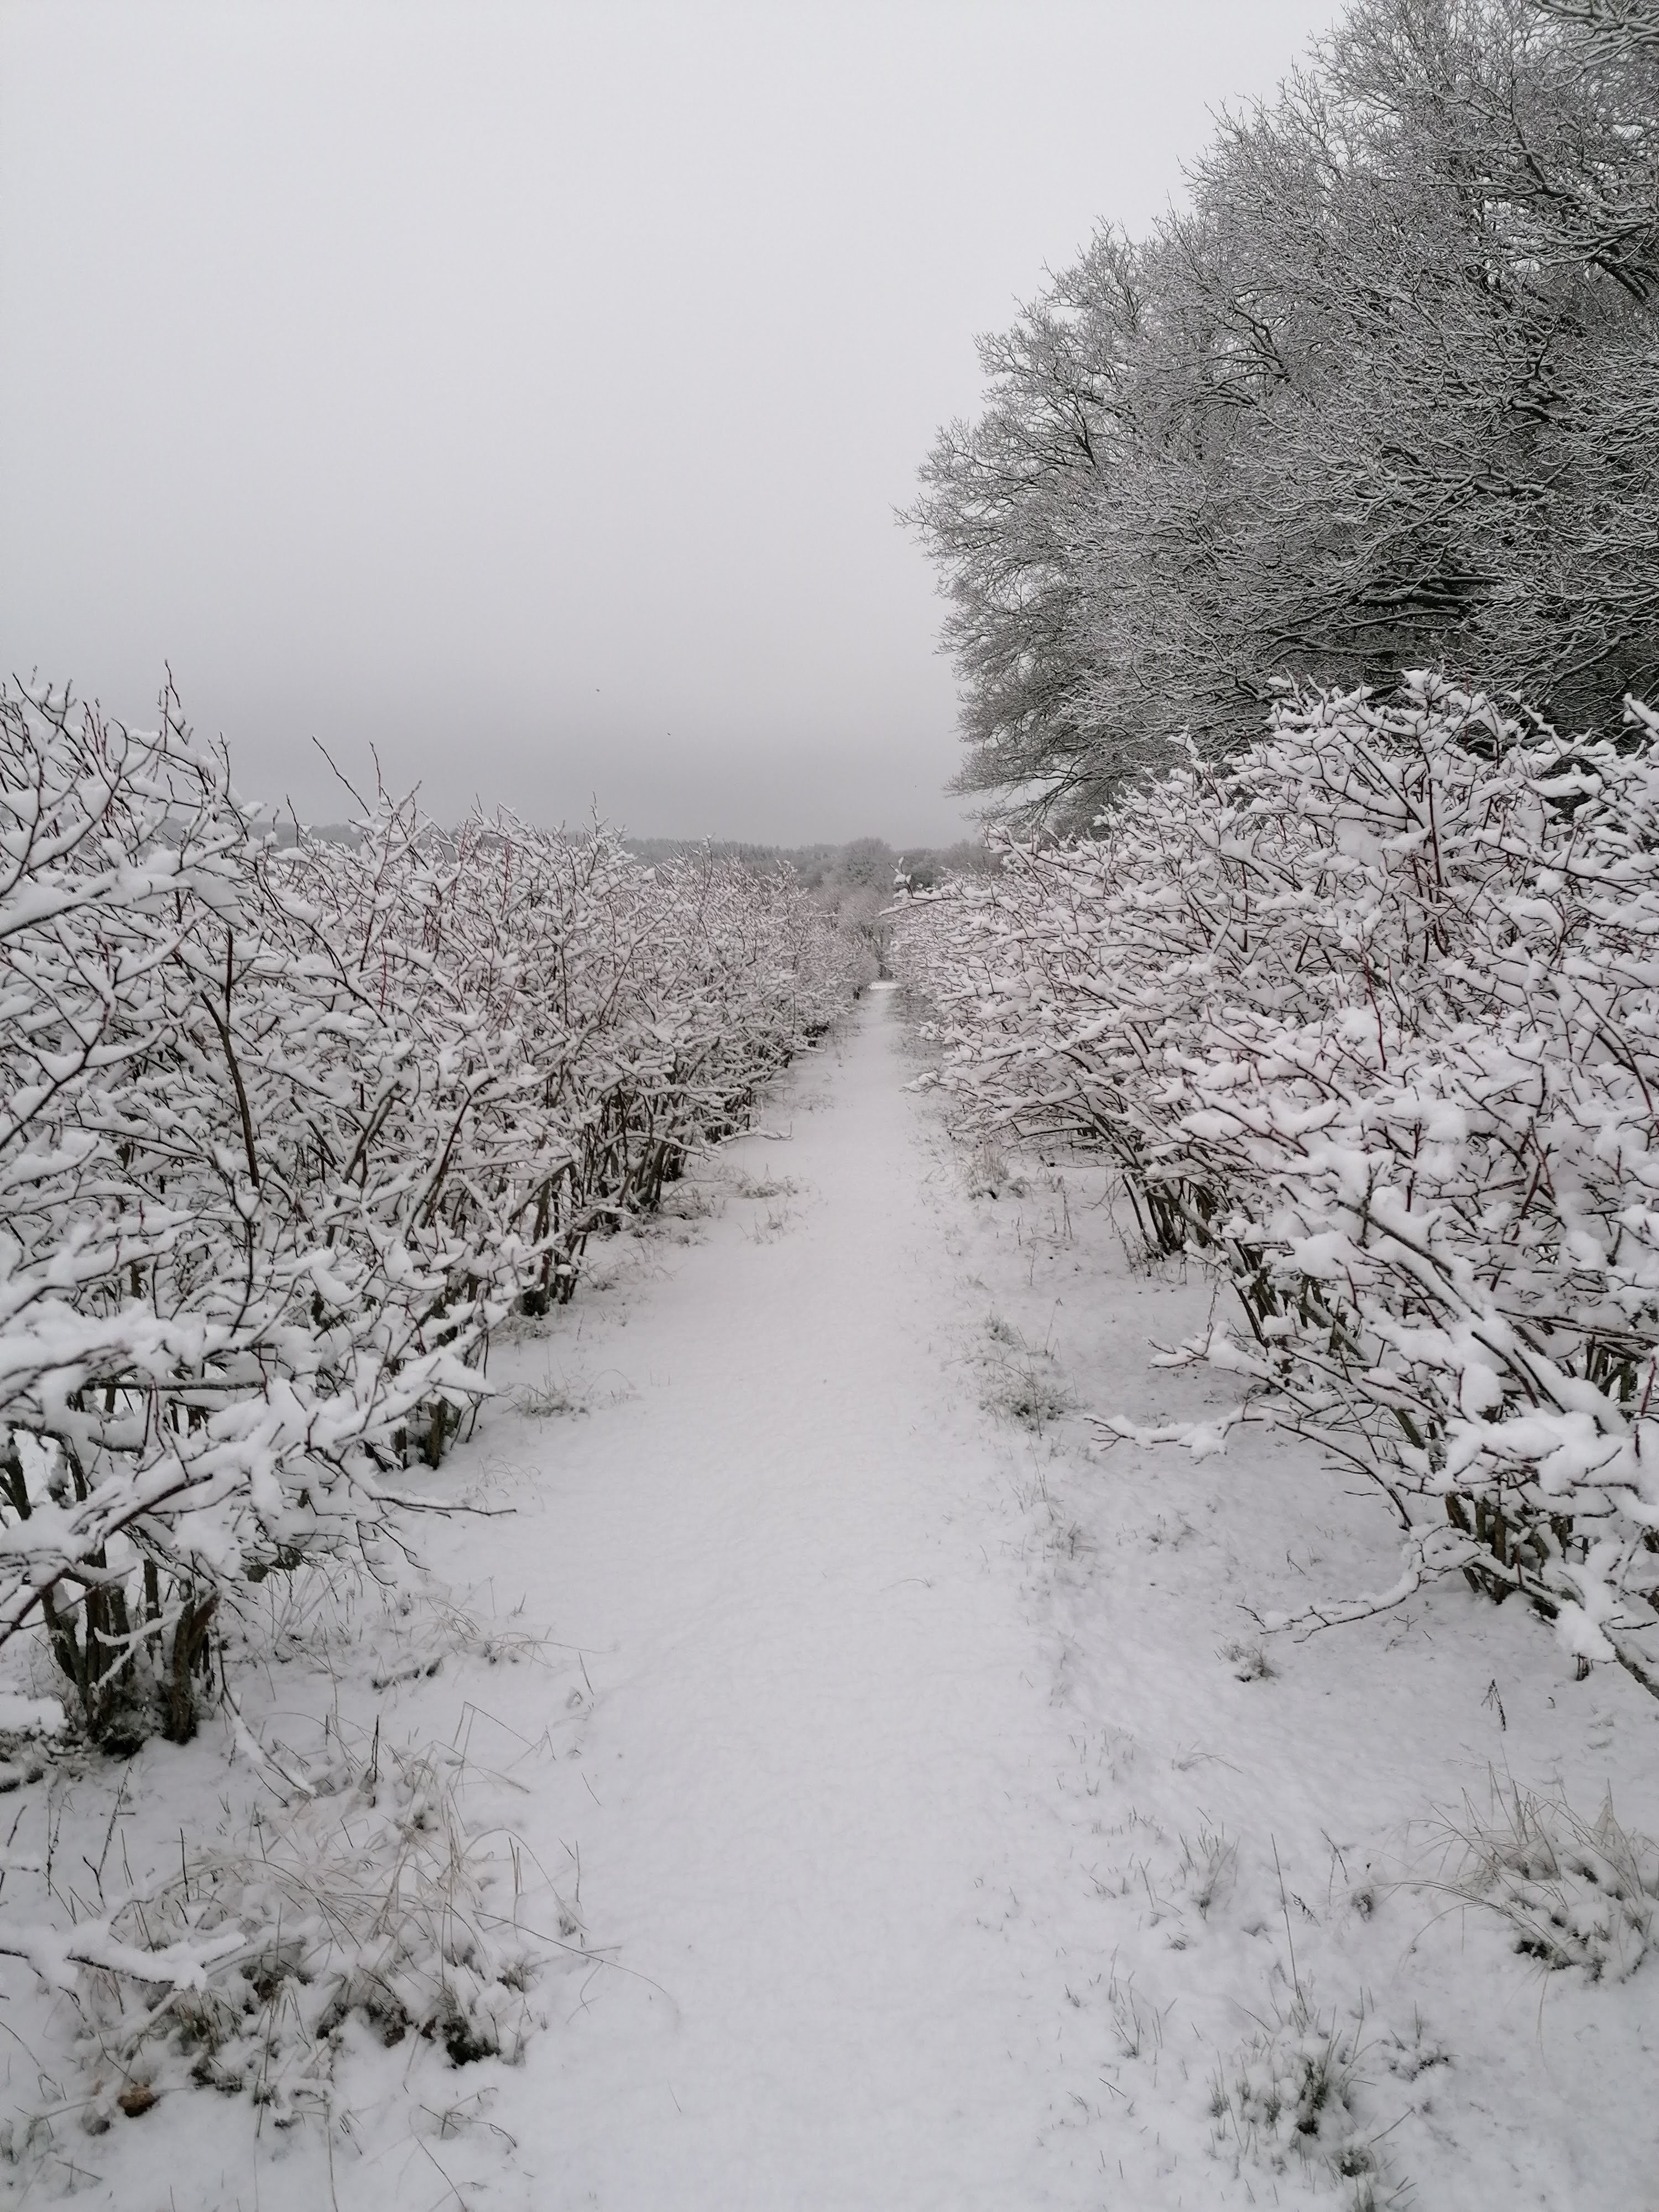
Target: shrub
1370, 1021
285, 1134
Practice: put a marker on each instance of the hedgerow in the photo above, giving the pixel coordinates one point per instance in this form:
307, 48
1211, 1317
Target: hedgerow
1369, 1018
287, 1132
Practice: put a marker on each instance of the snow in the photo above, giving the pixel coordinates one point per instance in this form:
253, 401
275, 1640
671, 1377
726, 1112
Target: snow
21, 1716
910, 1812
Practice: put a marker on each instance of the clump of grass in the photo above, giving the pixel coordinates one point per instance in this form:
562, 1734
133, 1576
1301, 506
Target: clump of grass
360, 1892
415, 1633
566, 1396
1288, 2093
1024, 1386
689, 1201
776, 1222
1249, 1661
987, 1173
753, 1187
396, 1624
550, 1398
1025, 1394
1577, 1892
1136, 2024
1210, 1864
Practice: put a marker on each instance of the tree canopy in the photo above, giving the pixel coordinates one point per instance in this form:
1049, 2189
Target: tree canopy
1384, 393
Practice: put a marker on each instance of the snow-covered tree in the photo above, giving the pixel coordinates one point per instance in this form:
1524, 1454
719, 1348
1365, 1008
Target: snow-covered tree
1382, 393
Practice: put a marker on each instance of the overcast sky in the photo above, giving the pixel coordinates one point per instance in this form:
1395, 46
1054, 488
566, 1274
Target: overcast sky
526, 389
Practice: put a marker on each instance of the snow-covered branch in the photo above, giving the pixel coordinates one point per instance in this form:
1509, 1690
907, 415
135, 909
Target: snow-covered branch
285, 1133
1370, 1019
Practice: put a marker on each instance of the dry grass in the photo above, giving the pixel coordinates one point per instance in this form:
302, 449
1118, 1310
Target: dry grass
1576, 1891
753, 1187
1287, 2096
362, 1895
572, 1392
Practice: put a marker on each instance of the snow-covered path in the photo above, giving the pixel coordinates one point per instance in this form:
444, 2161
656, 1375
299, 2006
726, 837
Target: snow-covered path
903, 1811
936, 1853
941, 1855
823, 1736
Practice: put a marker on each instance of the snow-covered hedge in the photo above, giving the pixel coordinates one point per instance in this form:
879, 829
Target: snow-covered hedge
285, 1133
1369, 1018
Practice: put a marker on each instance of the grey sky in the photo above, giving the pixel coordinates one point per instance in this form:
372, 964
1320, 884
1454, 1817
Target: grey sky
526, 389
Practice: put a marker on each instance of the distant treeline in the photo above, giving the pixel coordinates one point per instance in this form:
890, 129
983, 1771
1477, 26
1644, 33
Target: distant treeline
865, 864
855, 883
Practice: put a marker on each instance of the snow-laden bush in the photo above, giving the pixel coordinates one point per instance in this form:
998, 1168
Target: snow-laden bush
1369, 1018
285, 1133
205, 1327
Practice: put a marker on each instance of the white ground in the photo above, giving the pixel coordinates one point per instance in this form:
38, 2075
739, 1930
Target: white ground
931, 1852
